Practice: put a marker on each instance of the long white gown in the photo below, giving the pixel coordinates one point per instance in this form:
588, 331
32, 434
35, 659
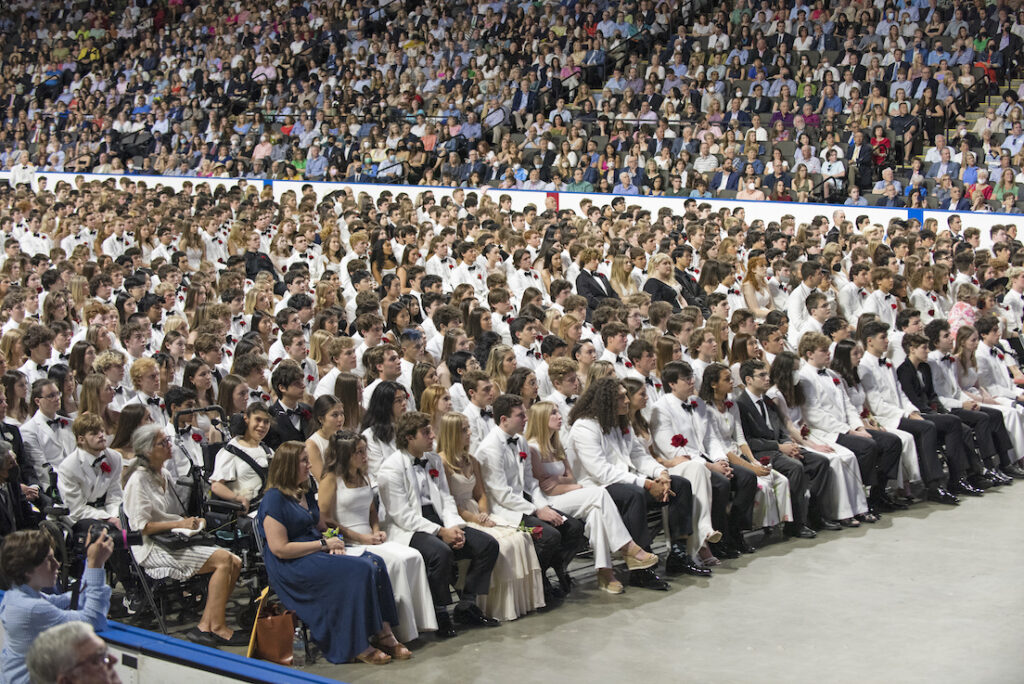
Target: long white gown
405, 564
772, 504
516, 581
845, 497
1013, 414
604, 527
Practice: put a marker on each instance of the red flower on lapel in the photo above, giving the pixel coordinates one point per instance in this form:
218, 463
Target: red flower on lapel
522, 456
894, 306
305, 414
804, 431
728, 404
309, 378
105, 467
679, 440
434, 473
196, 437
629, 364
835, 381
931, 312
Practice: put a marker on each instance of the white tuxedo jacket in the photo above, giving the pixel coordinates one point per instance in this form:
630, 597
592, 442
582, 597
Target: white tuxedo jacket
599, 458
888, 403
83, 481
400, 494
828, 412
45, 445
669, 419
508, 475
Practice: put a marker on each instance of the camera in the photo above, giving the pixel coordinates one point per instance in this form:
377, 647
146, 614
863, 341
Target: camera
121, 539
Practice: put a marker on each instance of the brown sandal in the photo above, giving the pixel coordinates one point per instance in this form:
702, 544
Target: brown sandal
397, 650
374, 657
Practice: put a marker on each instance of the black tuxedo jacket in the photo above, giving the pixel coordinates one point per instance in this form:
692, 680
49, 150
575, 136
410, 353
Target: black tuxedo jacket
920, 392
281, 428
594, 289
19, 515
761, 436
691, 292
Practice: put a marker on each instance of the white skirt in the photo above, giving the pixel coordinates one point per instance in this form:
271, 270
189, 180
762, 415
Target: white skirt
772, 503
516, 586
845, 498
697, 474
412, 591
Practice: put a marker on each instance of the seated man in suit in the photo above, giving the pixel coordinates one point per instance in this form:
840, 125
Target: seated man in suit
592, 284
767, 437
956, 201
291, 419
945, 166
421, 512
725, 178
915, 376
515, 495
47, 434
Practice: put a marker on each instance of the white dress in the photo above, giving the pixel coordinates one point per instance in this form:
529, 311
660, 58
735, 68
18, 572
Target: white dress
405, 564
845, 497
764, 301
910, 469
516, 581
604, 527
772, 503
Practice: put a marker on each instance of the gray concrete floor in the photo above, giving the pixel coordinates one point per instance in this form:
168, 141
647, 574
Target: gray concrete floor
927, 595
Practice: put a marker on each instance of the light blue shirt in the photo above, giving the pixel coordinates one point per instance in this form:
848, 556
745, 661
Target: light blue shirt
25, 613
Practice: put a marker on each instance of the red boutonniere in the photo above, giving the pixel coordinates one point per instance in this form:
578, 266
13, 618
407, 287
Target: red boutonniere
951, 278
931, 312
305, 414
804, 431
309, 378
265, 396
629, 365
451, 267
241, 323
934, 298
196, 437
479, 276
863, 293
434, 473
679, 440
276, 361
894, 306
835, 381
888, 364
64, 422
522, 456
105, 467
228, 352
693, 403
540, 338
728, 404
657, 385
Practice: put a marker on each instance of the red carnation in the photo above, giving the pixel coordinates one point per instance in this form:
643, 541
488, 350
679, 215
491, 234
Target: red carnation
479, 277
305, 415
934, 298
728, 404
835, 381
451, 266
434, 473
522, 456
309, 378
931, 312
865, 414
196, 437
888, 364
265, 396
894, 306
625, 430
105, 467
64, 423
999, 355
241, 323
678, 440
693, 403
540, 338
629, 365
657, 385
536, 532
228, 352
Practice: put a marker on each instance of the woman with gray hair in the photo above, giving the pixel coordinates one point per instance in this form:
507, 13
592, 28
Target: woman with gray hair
71, 653
152, 507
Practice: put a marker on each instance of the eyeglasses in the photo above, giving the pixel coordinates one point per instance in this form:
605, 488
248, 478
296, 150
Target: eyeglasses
103, 657
54, 395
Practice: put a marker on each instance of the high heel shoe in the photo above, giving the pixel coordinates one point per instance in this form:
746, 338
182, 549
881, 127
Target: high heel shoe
640, 560
612, 586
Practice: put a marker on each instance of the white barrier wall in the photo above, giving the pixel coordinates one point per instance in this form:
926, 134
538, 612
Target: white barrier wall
767, 211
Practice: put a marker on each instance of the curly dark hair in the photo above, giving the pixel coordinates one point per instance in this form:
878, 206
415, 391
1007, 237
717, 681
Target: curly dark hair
781, 375
599, 403
711, 376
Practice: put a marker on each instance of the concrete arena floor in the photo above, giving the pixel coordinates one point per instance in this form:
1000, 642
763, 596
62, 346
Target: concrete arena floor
927, 595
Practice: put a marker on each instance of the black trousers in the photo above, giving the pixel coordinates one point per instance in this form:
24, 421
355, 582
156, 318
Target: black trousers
878, 457
743, 486
958, 440
634, 501
926, 438
557, 545
990, 436
811, 473
481, 549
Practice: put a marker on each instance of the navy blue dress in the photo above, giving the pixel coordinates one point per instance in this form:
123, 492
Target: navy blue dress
343, 599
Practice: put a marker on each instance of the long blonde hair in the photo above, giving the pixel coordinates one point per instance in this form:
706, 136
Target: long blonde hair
540, 435
494, 363
619, 279
451, 443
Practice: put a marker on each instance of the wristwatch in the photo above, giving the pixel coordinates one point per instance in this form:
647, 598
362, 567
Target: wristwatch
323, 544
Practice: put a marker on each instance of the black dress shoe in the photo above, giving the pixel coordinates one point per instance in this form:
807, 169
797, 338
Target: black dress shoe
1014, 471
723, 550
683, 564
826, 524
897, 505
962, 486
981, 481
565, 583
800, 531
445, 628
647, 579
470, 614
941, 495
997, 477
739, 543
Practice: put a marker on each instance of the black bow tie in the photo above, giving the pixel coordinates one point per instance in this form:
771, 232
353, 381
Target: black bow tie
256, 394
155, 401
947, 358
618, 359
54, 422
292, 412
237, 318
99, 459
155, 326
595, 274
649, 381
484, 413
419, 462
570, 400
471, 268
119, 390
184, 431
306, 326
993, 351
822, 371
687, 406
881, 362
513, 441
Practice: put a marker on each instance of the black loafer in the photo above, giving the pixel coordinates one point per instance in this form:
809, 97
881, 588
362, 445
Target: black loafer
800, 532
740, 544
202, 638
826, 524
723, 550
647, 579
940, 495
472, 615
238, 638
683, 564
